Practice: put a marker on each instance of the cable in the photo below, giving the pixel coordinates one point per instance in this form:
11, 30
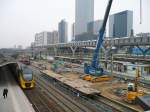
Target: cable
140, 11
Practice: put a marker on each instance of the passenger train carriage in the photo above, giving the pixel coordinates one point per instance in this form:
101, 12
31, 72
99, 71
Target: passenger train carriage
25, 77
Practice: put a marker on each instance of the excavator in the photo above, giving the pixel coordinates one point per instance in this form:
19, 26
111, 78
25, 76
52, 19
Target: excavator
94, 72
132, 89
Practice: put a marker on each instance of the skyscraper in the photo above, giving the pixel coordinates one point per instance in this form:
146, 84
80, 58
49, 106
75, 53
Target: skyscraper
84, 13
121, 24
63, 31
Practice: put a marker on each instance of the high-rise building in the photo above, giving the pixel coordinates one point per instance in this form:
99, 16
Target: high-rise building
63, 31
92, 32
93, 27
84, 13
73, 31
55, 38
19, 47
32, 44
46, 38
40, 39
121, 24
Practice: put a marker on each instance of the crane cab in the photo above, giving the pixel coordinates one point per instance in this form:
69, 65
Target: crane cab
131, 87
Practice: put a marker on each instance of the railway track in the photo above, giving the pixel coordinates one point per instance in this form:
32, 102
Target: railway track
101, 103
40, 101
114, 104
68, 104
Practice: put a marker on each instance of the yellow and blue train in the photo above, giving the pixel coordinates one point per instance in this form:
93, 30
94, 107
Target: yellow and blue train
25, 76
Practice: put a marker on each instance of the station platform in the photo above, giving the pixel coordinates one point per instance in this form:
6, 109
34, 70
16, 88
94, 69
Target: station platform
16, 100
78, 84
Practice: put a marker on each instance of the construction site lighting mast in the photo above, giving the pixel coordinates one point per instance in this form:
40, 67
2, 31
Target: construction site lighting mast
94, 68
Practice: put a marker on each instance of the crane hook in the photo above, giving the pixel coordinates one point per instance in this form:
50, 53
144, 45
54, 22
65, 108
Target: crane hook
140, 11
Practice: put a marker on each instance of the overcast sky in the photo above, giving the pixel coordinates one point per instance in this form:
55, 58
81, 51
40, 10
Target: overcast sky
21, 19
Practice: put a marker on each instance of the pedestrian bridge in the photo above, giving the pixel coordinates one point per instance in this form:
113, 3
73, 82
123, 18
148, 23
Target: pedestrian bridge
125, 41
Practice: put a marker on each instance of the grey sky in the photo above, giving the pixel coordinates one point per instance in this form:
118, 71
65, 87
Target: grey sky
21, 19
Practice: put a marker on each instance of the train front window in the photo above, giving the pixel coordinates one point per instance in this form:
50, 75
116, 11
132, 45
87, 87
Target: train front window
27, 74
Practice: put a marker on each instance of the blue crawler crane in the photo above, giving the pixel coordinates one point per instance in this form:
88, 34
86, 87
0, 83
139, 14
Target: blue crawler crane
94, 68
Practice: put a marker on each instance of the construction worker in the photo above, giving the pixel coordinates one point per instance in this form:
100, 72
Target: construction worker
5, 92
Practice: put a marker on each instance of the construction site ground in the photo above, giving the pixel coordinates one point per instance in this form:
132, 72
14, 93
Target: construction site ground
107, 88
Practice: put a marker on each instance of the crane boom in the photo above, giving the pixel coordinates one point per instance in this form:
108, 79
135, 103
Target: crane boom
94, 68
